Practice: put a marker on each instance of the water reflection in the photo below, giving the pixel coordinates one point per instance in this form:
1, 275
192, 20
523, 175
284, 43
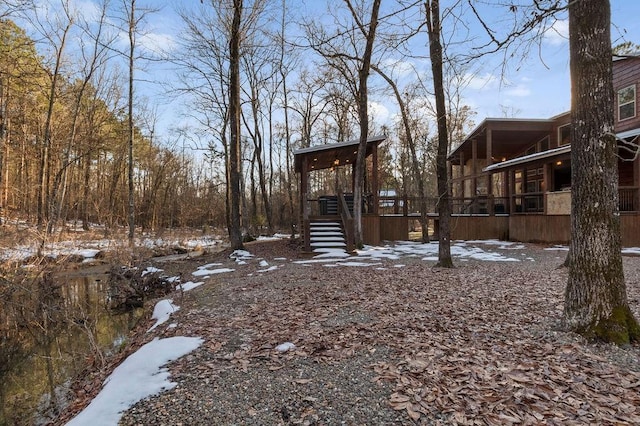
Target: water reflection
72, 327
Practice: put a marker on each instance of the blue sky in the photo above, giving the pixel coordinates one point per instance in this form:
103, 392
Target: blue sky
536, 87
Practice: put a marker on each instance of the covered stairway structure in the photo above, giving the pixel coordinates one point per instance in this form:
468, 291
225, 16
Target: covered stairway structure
326, 187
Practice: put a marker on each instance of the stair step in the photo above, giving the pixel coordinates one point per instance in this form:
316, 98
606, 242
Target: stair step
327, 229
327, 244
327, 234
325, 223
337, 239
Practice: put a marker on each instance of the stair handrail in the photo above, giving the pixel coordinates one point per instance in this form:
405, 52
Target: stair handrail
347, 222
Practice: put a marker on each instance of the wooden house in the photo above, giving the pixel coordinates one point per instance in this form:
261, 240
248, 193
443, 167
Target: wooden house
511, 178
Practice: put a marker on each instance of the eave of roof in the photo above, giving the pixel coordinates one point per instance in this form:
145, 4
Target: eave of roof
327, 155
549, 153
528, 158
329, 146
628, 134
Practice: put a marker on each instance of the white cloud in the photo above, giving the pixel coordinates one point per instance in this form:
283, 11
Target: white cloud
379, 112
88, 9
157, 42
482, 82
519, 91
400, 68
558, 34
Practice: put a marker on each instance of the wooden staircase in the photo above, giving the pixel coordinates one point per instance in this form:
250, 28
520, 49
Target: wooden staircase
327, 236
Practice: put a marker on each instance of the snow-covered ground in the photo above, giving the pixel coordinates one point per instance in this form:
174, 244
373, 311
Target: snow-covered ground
89, 249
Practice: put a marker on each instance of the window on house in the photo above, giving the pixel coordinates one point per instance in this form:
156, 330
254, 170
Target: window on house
627, 103
544, 144
564, 134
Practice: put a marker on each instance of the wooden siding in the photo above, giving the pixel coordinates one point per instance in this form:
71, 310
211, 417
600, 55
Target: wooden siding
630, 227
394, 228
557, 229
540, 228
525, 228
479, 227
625, 73
371, 229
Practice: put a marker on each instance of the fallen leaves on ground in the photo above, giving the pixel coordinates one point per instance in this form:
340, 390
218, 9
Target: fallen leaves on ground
478, 344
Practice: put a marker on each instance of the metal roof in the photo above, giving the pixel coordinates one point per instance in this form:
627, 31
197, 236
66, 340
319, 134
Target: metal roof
328, 155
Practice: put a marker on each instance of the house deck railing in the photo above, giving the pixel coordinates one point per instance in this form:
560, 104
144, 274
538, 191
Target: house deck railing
528, 203
628, 200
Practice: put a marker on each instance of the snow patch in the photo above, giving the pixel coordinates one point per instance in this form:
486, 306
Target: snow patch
285, 347
162, 311
189, 285
140, 375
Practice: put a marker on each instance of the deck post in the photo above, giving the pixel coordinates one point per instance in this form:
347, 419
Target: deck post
374, 180
489, 155
636, 183
474, 170
304, 202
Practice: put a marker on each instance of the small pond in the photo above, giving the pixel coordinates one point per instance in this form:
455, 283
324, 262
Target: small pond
49, 346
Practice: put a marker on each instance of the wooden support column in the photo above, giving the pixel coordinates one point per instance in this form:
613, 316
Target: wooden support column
374, 182
449, 180
474, 168
547, 183
304, 204
353, 177
524, 189
489, 155
512, 191
636, 183
463, 178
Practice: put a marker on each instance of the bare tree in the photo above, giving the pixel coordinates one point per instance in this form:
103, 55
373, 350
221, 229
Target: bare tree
595, 297
55, 31
94, 57
408, 133
343, 59
369, 32
434, 30
235, 157
132, 23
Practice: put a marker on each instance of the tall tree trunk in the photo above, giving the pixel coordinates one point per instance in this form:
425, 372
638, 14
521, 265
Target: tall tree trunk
432, 8
287, 134
4, 122
595, 298
85, 191
258, 146
43, 178
130, 128
363, 117
235, 231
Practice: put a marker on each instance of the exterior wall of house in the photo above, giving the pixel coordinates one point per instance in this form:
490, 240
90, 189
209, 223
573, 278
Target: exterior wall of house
626, 72
558, 202
556, 137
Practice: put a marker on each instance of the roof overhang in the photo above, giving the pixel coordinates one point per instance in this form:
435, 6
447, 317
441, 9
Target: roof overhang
329, 155
628, 134
549, 154
529, 158
509, 137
